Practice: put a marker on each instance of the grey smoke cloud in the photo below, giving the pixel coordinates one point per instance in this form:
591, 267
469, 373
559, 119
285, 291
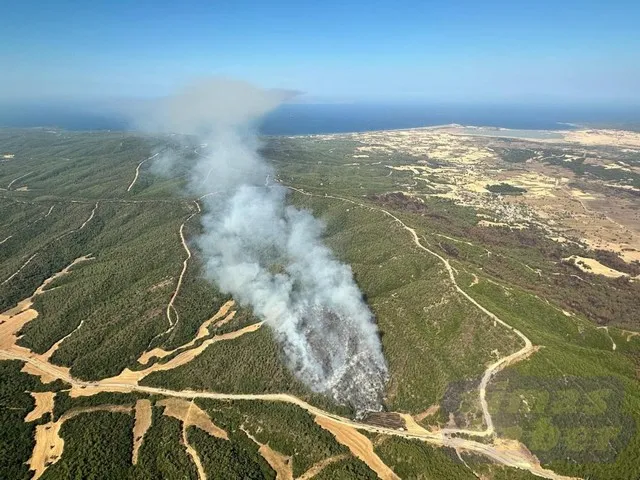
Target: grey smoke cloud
269, 255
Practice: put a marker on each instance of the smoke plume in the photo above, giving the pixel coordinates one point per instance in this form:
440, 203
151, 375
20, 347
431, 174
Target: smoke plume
269, 255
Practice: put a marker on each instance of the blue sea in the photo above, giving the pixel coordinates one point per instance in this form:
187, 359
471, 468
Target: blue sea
304, 119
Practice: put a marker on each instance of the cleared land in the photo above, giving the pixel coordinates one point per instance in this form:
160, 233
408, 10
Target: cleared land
143, 422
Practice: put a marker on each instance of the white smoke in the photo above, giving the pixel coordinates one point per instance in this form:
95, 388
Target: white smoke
270, 256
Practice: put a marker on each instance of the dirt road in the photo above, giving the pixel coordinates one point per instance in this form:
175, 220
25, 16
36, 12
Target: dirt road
16, 179
133, 182
170, 306
184, 270
20, 269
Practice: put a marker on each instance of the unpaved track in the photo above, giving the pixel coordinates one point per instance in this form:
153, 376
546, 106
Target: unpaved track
606, 330
56, 345
185, 263
50, 210
84, 224
93, 212
133, 182
184, 270
20, 269
432, 410
16, 179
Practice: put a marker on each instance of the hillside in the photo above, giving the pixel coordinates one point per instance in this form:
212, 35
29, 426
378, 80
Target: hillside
502, 267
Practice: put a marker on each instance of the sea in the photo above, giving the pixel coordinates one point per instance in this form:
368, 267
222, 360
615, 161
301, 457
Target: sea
306, 119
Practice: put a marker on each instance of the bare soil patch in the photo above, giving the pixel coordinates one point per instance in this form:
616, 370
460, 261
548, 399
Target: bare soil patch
359, 445
190, 414
280, 463
432, 410
44, 404
143, 414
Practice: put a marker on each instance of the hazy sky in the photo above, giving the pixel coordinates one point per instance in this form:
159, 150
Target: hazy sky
333, 49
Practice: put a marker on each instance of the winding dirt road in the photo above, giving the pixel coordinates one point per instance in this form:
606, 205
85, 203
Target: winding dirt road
184, 270
170, 305
133, 182
185, 263
93, 212
16, 179
84, 224
20, 269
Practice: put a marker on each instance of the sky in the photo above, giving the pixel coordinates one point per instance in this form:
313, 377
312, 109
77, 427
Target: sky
334, 51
